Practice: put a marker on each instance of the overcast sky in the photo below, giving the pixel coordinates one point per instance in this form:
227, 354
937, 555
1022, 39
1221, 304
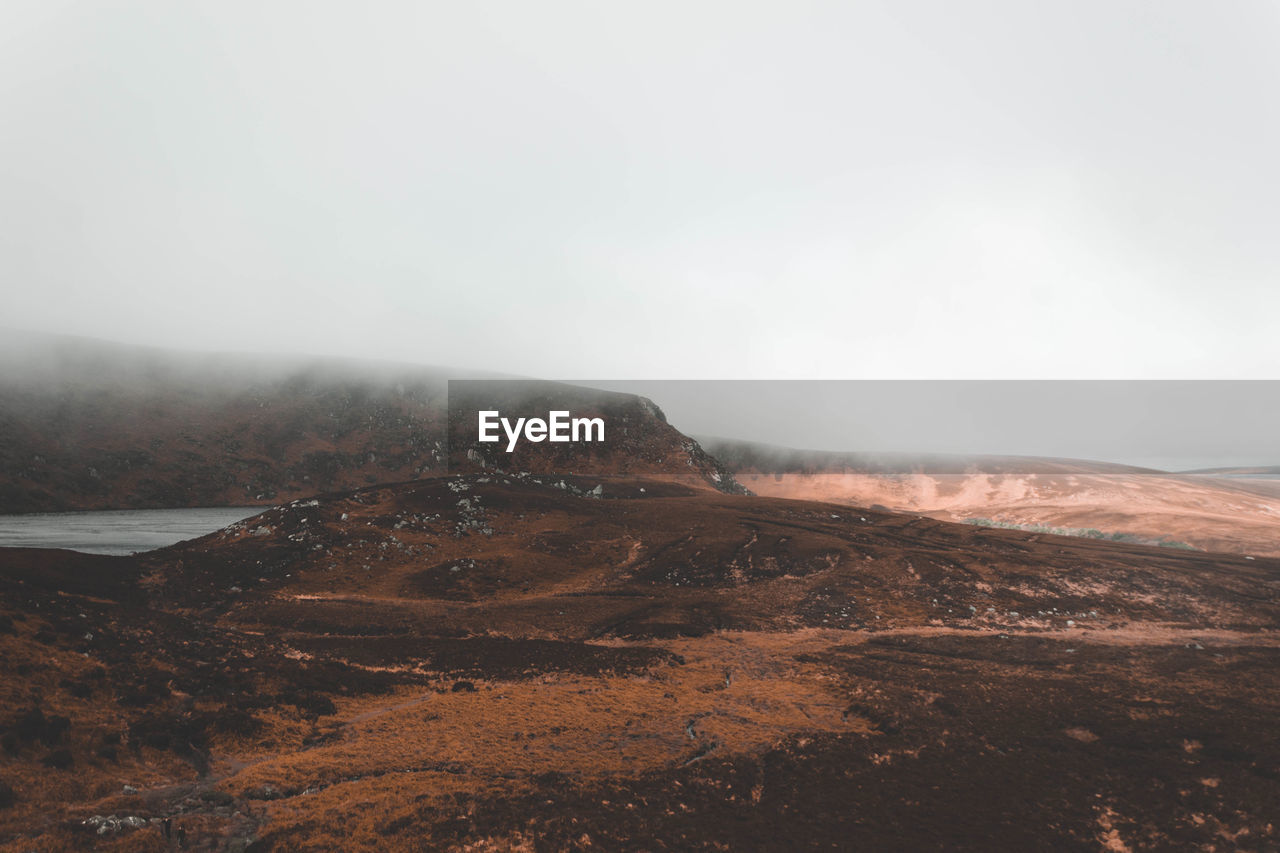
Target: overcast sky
736, 189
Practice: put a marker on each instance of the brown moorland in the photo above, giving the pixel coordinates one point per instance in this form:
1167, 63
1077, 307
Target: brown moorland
506, 662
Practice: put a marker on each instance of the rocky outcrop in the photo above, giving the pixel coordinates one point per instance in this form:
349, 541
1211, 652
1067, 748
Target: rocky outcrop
637, 441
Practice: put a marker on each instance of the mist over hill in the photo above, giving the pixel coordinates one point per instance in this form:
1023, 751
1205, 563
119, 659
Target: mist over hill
87, 424
91, 425
762, 458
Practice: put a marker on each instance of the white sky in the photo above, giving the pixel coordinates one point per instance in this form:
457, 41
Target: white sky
908, 189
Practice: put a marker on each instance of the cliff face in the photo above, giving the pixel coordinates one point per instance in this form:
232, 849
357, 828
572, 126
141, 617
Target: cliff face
91, 425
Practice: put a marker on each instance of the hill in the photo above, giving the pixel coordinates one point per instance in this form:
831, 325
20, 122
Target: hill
87, 424
1215, 513
499, 661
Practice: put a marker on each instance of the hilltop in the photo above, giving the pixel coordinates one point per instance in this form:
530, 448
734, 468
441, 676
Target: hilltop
87, 424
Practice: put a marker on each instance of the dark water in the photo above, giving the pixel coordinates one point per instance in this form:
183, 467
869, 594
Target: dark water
117, 531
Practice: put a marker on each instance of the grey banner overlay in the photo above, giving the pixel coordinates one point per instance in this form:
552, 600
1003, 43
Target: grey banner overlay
1159, 424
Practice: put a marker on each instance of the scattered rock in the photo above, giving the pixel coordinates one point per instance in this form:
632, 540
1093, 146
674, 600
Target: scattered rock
112, 825
1081, 734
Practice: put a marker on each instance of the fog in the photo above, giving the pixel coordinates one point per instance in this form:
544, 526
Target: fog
1164, 424
723, 190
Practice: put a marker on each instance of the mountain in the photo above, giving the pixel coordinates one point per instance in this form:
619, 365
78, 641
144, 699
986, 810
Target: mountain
1214, 513
507, 661
87, 424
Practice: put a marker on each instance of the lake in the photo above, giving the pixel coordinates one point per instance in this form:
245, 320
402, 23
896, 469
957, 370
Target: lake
117, 531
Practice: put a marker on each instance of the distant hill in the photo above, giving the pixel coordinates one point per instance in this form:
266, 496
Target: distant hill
772, 459
1263, 471
1212, 511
